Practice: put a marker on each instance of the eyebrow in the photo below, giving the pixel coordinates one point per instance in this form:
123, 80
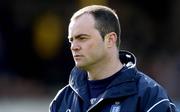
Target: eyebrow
77, 36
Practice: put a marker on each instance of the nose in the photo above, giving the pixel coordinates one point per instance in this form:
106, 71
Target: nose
75, 46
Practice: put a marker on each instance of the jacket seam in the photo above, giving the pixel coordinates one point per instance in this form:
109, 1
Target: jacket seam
163, 100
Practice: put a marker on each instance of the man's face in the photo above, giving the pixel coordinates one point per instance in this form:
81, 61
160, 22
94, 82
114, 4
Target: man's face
87, 46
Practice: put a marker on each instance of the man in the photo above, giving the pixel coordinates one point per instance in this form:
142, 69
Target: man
104, 78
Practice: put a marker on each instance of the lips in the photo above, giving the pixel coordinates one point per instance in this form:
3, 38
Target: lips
77, 56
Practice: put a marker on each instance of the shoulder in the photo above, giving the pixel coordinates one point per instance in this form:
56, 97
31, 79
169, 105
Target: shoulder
62, 92
147, 85
153, 97
60, 96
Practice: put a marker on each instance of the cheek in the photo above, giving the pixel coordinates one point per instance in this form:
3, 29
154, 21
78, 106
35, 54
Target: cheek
95, 48
89, 45
92, 46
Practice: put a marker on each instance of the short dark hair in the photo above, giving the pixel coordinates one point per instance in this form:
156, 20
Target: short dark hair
106, 20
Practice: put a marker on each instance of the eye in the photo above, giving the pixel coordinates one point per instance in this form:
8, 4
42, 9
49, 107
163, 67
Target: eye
82, 38
70, 40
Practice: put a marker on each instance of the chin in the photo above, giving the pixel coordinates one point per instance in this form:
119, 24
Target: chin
80, 66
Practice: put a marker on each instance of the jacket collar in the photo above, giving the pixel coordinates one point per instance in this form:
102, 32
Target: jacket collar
78, 82
125, 81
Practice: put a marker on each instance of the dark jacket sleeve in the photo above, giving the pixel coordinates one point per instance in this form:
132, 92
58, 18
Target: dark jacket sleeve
164, 105
153, 97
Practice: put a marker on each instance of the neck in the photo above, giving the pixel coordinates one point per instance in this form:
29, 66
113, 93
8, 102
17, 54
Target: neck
105, 69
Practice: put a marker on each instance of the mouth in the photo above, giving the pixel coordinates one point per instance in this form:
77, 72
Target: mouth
77, 57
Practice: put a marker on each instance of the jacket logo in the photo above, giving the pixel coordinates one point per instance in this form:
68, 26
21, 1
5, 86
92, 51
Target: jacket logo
116, 107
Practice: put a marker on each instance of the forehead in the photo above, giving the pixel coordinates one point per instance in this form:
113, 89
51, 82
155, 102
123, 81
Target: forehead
83, 24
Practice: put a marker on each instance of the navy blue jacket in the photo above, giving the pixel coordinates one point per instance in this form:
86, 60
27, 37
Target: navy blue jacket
131, 91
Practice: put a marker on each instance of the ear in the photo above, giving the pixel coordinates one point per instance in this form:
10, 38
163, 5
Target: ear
110, 39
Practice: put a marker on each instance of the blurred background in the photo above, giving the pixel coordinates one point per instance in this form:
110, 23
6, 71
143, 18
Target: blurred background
35, 59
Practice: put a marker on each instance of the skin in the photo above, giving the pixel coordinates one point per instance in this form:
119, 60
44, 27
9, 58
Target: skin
90, 52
